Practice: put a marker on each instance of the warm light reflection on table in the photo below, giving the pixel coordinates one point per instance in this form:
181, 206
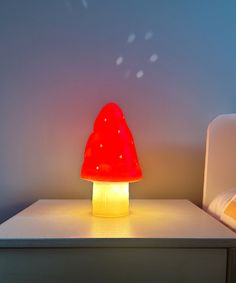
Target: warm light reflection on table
67, 219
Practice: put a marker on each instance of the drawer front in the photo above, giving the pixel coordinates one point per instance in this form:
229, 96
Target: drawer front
113, 265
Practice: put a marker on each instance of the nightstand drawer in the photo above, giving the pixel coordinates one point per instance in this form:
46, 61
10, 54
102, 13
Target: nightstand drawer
146, 265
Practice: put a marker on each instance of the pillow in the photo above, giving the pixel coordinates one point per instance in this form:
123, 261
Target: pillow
223, 207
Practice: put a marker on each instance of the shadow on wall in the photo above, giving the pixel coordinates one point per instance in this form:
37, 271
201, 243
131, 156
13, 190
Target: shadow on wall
170, 171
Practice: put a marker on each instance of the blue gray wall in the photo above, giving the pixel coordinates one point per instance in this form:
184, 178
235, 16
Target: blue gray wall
169, 64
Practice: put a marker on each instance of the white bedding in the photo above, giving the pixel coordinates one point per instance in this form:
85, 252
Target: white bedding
223, 207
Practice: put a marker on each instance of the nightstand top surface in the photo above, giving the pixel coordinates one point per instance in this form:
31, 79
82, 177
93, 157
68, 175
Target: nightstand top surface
161, 223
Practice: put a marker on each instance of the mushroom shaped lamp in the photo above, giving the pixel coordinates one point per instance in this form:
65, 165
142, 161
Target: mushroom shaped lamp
110, 162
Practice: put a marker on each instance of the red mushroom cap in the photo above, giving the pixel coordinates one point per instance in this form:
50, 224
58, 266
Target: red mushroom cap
110, 153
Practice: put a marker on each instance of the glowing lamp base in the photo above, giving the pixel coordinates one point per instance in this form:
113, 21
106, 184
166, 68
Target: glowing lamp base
110, 199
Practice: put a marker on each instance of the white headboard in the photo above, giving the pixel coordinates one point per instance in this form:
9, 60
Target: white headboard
220, 163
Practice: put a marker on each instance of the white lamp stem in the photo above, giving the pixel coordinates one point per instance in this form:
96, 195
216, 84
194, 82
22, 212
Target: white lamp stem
110, 199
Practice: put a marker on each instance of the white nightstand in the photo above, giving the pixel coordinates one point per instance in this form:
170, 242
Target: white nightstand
160, 241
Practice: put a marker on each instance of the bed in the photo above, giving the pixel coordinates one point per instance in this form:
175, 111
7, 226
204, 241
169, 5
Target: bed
219, 192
